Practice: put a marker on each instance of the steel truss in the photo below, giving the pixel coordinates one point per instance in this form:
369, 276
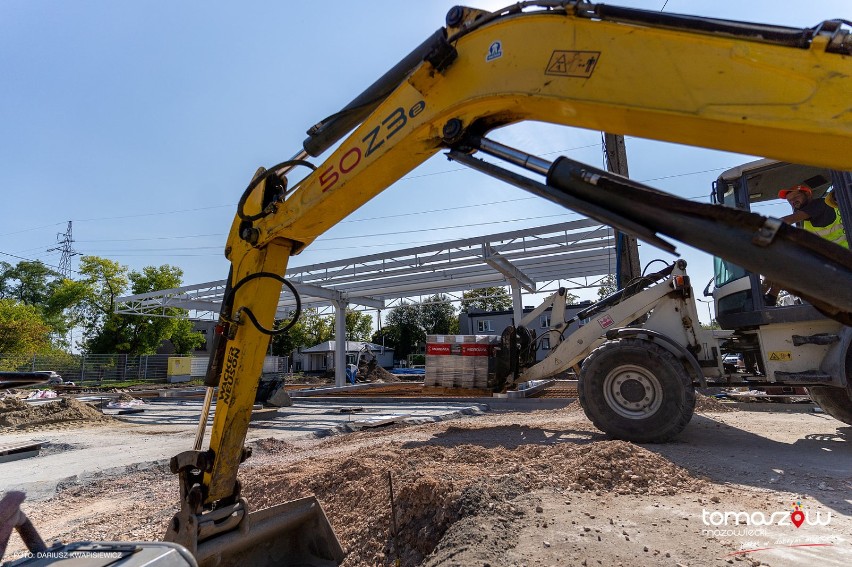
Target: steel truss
531, 259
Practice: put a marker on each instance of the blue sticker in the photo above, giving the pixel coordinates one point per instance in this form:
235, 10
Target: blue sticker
495, 51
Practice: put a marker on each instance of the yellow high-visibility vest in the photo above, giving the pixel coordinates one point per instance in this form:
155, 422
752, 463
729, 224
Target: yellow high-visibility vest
833, 232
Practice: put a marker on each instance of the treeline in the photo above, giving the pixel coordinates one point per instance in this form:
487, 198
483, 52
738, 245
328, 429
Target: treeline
39, 309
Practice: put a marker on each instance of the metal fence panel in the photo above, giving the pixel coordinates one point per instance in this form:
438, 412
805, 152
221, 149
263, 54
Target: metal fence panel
106, 369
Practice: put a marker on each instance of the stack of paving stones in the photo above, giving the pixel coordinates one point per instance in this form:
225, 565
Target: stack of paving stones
460, 361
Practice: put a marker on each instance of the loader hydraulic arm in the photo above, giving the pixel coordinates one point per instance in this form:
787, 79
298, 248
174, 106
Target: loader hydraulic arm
761, 90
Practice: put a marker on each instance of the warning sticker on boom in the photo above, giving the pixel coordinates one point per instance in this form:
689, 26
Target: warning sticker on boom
781, 355
572, 63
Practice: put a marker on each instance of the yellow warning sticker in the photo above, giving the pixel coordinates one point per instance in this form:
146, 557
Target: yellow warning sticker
572, 63
781, 356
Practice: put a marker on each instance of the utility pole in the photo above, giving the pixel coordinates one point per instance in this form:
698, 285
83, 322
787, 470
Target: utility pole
627, 262
64, 241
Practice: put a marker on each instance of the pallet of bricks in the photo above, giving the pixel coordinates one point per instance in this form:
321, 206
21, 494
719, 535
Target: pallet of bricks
460, 361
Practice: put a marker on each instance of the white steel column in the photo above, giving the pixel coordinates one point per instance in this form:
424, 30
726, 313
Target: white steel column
517, 301
340, 342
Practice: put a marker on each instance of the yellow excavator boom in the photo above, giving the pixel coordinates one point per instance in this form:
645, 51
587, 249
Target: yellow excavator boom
771, 91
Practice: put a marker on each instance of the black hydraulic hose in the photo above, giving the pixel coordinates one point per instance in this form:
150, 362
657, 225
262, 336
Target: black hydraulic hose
323, 135
823, 270
259, 179
252, 316
782, 35
634, 287
220, 342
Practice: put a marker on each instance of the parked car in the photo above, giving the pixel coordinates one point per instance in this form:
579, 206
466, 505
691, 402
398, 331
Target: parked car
733, 362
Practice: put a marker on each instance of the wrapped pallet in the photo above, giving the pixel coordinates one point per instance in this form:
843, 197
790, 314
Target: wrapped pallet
460, 361
438, 364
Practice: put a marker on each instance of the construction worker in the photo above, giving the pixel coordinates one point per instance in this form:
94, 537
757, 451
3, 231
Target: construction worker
816, 216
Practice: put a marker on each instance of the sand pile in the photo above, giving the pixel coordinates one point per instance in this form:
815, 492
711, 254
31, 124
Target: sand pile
17, 414
433, 487
375, 374
706, 404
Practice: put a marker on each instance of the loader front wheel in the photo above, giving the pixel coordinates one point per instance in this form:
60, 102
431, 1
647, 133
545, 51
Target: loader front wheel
636, 390
834, 401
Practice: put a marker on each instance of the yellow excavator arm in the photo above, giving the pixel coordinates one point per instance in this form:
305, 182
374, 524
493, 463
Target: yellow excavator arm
762, 90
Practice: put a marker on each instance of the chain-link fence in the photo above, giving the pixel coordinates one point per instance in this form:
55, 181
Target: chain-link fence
87, 369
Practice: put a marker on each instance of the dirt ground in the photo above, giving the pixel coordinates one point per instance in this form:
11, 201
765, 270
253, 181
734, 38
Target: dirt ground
531, 488
15, 414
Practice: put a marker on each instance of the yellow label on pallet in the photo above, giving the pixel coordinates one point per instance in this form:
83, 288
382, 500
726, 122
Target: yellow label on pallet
781, 356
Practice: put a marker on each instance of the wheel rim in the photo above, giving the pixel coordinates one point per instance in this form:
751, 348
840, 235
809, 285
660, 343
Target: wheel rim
632, 391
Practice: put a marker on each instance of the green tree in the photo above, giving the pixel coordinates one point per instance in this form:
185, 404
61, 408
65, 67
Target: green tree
184, 338
607, 286
22, 328
438, 316
317, 328
359, 325
33, 283
103, 280
109, 332
402, 330
487, 299
60, 309
6, 278
309, 330
285, 343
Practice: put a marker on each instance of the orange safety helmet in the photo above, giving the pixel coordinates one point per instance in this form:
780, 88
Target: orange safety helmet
782, 194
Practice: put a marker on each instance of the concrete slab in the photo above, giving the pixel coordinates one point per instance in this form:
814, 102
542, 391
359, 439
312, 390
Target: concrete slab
18, 451
529, 389
378, 420
167, 427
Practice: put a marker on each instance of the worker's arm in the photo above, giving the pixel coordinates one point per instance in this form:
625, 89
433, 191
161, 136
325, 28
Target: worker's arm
760, 90
796, 216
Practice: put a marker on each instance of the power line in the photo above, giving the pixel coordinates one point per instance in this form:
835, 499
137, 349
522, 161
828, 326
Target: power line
154, 214
160, 213
415, 213
30, 229
355, 236
28, 259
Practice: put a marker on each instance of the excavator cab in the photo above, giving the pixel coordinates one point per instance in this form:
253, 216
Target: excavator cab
739, 294
754, 186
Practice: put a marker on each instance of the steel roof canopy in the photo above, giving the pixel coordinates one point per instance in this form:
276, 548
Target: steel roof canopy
581, 248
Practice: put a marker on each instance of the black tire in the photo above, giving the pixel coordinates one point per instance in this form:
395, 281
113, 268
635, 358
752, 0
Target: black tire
636, 390
834, 401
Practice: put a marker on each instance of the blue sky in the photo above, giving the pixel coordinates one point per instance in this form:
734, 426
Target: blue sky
142, 122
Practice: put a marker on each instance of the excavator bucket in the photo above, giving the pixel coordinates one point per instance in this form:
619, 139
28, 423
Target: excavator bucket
293, 533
